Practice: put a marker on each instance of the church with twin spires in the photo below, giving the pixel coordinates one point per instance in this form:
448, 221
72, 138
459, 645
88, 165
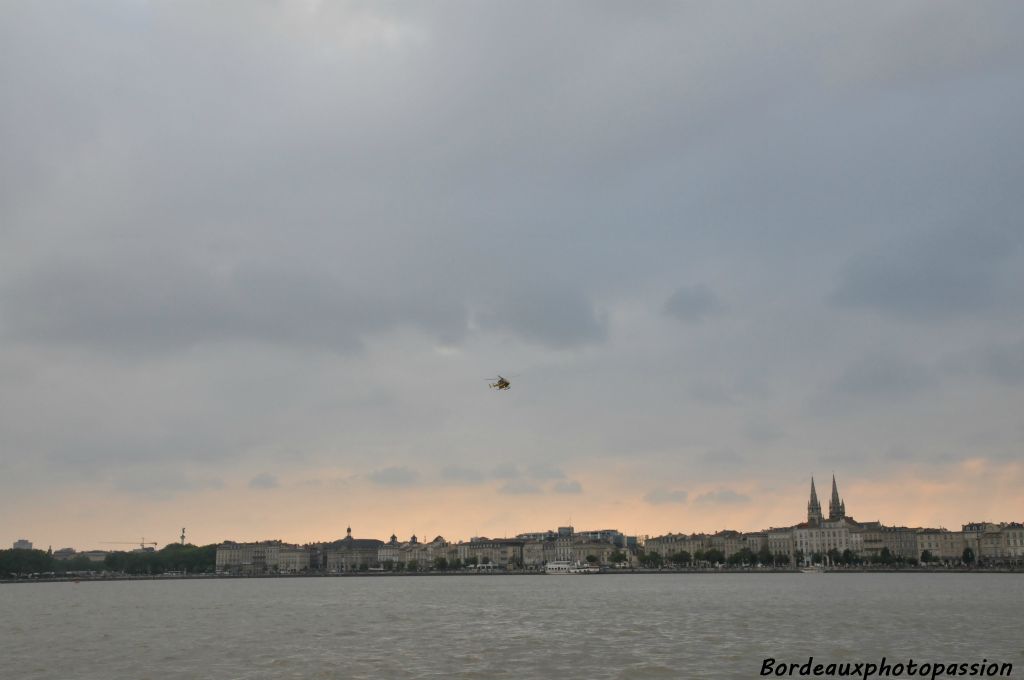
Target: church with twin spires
836, 506
820, 534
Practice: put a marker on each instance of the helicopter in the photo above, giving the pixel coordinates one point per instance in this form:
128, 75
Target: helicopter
499, 383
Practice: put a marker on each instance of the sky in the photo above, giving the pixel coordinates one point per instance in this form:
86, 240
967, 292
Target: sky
257, 261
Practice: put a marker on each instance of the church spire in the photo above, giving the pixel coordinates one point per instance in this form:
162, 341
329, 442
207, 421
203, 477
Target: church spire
813, 506
836, 507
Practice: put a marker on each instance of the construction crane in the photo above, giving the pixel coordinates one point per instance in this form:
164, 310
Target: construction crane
142, 543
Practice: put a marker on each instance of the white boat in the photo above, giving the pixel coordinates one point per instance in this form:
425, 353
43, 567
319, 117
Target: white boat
567, 567
816, 569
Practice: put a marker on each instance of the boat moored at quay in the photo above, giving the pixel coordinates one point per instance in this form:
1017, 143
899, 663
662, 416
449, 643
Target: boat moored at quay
559, 567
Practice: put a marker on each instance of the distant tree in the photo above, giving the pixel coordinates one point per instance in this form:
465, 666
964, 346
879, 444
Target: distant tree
617, 557
714, 556
440, 564
699, 556
817, 558
781, 559
412, 565
651, 560
76, 563
186, 558
388, 565
592, 559
471, 561
741, 557
926, 556
967, 556
800, 556
765, 557
885, 557
834, 556
456, 564
19, 562
399, 566
485, 560
680, 558
848, 557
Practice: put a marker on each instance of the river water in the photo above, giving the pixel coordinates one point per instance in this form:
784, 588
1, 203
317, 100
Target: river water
605, 626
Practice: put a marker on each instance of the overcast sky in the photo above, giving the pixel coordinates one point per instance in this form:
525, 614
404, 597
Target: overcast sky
257, 259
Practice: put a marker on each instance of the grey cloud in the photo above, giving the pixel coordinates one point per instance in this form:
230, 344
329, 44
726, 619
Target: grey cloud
518, 487
505, 471
568, 486
161, 483
721, 497
403, 178
882, 375
144, 302
663, 496
763, 433
936, 275
722, 458
394, 476
712, 393
264, 481
544, 471
457, 473
330, 482
1003, 363
554, 316
692, 304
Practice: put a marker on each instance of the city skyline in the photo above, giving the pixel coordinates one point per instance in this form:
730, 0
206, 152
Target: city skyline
429, 529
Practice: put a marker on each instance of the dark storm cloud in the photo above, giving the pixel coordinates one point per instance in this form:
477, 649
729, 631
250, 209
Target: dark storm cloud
692, 304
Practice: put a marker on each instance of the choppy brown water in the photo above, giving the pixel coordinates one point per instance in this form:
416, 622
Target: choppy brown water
621, 626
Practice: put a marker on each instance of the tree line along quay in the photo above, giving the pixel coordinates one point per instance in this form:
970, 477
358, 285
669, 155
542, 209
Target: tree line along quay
837, 542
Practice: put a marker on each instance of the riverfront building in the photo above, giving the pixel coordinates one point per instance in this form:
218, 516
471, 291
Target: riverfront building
351, 554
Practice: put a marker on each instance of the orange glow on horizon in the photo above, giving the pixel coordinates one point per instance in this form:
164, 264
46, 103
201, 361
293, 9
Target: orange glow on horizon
974, 490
